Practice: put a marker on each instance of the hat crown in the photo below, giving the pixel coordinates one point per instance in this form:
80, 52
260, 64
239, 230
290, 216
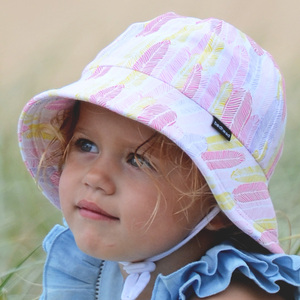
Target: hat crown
217, 66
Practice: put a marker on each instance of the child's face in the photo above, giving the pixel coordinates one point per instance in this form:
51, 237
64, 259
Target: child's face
107, 197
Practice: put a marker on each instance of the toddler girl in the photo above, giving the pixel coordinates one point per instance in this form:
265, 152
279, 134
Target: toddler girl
159, 158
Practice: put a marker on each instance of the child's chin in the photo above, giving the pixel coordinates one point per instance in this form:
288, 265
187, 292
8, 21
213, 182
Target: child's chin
94, 250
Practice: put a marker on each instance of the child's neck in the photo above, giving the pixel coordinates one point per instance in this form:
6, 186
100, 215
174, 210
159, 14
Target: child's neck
190, 252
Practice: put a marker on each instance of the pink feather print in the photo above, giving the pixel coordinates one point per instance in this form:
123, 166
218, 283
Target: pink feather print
104, 96
259, 51
281, 95
100, 71
158, 116
206, 52
150, 59
29, 104
243, 114
201, 45
231, 106
237, 69
58, 104
270, 235
212, 91
217, 27
192, 84
222, 159
23, 129
237, 110
165, 119
177, 62
254, 191
248, 131
157, 23
32, 157
54, 178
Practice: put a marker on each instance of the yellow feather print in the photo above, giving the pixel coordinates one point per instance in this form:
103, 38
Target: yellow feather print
207, 59
249, 174
135, 78
280, 90
264, 224
183, 37
78, 96
211, 52
225, 201
259, 156
137, 108
218, 143
185, 72
39, 131
27, 118
210, 182
138, 54
221, 99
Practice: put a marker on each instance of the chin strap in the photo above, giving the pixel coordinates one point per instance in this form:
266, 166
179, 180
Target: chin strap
139, 273
138, 278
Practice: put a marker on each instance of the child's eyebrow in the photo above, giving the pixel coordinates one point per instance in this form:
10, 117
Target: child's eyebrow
79, 129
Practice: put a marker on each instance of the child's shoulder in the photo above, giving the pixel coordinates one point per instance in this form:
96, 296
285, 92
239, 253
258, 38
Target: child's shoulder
242, 289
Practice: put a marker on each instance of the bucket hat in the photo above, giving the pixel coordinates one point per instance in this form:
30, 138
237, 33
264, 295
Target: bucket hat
205, 85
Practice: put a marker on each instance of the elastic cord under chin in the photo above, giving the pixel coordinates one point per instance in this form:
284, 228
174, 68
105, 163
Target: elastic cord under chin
139, 273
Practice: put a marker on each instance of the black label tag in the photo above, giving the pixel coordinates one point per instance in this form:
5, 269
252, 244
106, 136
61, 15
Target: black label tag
221, 128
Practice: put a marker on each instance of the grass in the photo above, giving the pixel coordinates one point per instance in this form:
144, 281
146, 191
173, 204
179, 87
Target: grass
26, 217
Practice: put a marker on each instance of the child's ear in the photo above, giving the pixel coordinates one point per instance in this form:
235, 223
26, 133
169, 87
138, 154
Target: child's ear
220, 221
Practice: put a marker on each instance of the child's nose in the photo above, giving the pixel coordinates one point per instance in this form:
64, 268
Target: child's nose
99, 176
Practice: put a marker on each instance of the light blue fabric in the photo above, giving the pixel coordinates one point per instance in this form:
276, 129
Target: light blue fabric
71, 274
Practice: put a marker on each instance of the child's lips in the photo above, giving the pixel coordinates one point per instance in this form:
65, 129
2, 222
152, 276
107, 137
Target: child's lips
91, 210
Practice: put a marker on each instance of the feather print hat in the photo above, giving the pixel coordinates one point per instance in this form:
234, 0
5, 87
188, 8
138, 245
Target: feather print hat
202, 83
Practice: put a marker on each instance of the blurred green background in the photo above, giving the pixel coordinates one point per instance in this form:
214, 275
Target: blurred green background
46, 44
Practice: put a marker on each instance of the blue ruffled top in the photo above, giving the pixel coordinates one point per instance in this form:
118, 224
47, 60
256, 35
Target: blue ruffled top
70, 274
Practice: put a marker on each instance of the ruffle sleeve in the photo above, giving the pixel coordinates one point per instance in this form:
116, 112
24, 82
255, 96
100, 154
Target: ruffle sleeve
70, 274
212, 274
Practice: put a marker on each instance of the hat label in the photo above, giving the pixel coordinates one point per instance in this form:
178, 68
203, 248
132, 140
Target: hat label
221, 128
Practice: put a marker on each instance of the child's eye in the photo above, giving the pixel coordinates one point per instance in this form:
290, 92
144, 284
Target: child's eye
86, 146
139, 161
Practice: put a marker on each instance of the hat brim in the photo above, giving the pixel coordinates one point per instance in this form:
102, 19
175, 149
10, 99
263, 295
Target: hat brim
235, 178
